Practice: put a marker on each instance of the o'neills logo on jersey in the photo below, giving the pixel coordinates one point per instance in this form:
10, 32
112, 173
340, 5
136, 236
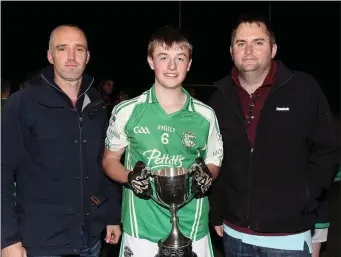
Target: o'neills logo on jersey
156, 158
112, 133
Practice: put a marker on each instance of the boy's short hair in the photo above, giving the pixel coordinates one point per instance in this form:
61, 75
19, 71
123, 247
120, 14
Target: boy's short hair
169, 36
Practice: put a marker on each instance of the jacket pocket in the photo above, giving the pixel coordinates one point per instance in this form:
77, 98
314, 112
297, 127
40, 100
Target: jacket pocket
311, 204
307, 190
46, 226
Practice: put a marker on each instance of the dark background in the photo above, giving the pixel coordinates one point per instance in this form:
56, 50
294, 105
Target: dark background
308, 36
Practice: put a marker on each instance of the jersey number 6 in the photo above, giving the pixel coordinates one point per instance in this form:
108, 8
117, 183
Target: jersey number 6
164, 138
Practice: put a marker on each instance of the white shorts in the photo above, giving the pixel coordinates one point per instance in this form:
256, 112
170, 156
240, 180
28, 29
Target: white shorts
320, 235
131, 246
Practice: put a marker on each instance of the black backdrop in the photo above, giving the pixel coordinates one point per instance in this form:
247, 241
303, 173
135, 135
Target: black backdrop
308, 35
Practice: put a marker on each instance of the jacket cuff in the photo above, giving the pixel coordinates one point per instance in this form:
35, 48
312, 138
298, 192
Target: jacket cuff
114, 216
215, 219
113, 221
5, 243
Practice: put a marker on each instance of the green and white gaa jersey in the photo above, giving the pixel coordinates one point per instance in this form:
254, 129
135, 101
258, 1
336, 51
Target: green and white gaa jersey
164, 140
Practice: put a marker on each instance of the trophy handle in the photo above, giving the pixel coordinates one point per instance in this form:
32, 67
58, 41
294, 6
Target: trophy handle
158, 201
191, 169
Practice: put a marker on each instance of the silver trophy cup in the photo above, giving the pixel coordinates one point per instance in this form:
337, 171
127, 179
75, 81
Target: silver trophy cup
172, 191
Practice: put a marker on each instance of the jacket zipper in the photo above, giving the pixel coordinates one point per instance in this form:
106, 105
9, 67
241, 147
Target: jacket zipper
80, 126
250, 174
81, 167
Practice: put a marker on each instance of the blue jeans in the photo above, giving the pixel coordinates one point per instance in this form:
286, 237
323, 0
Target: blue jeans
236, 248
85, 251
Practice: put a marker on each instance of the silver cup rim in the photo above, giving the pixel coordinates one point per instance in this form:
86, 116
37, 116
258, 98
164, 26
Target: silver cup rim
171, 172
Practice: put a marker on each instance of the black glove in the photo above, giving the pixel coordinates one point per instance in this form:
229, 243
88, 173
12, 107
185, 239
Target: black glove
139, 182
201, 178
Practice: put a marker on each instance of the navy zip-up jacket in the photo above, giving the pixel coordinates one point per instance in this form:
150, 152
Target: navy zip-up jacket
53, 151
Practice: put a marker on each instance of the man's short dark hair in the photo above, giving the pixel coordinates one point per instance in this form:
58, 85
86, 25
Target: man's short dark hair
169, 36
254, 18
70, 26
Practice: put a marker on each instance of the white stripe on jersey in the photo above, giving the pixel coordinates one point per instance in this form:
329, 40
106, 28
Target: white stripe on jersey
198, 220
195, 220
130, 196
134, 217
133, 220
131, 214
204, 110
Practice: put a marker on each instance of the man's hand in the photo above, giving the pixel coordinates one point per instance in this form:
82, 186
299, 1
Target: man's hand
15, 250
219, 230
113, 234
202, 178
139, 182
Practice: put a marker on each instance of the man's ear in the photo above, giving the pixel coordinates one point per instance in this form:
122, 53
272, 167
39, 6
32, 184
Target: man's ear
49, 56
87, 57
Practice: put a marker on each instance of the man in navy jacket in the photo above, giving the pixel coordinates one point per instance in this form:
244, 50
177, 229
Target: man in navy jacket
53, 135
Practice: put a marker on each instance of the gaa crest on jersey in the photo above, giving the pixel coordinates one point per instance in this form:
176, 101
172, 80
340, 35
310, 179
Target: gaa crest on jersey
188, 139
127, 252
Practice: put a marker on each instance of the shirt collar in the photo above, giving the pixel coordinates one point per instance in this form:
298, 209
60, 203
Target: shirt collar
151, 98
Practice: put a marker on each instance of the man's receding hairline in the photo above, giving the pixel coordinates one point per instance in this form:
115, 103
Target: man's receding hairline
259, 24
64, 26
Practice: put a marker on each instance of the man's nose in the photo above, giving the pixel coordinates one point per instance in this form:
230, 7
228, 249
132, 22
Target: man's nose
71, 54
248, 49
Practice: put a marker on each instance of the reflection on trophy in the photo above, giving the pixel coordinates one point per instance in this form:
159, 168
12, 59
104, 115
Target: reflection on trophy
172, 190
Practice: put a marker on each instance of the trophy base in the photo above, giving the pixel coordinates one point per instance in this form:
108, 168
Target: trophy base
184, 251
193, 254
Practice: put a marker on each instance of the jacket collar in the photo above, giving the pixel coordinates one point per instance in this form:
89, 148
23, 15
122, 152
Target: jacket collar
229, 90
50, 94
282, 76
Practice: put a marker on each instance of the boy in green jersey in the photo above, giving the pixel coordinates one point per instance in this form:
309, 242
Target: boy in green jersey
164, 127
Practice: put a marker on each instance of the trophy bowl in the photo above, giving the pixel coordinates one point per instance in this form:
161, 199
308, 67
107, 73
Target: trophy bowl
172, 185
172, 190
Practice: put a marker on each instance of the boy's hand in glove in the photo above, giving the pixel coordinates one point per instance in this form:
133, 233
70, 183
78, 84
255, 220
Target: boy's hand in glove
139, 182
